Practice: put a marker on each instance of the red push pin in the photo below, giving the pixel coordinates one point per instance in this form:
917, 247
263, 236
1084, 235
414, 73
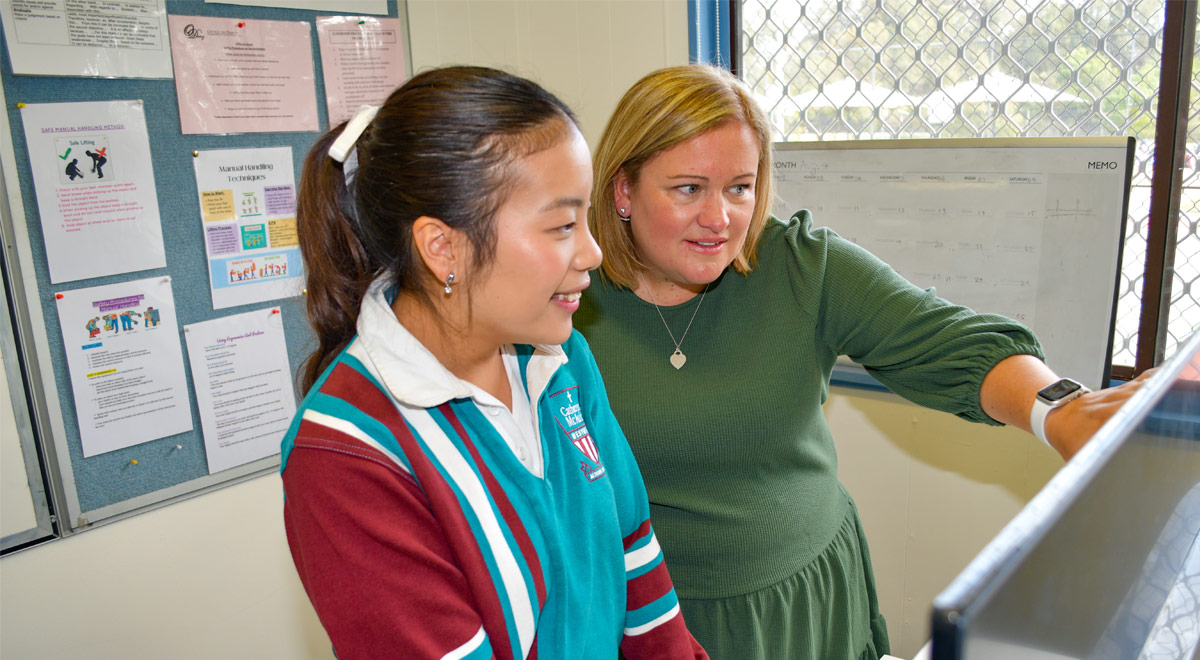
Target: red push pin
241, 24
58, 295
274, 311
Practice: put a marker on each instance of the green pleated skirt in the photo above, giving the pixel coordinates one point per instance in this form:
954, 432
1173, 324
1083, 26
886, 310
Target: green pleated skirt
827, 611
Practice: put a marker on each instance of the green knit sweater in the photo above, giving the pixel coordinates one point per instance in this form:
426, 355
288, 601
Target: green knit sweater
738, 460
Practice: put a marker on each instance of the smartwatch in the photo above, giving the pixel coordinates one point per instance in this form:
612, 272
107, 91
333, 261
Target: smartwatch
1048, 398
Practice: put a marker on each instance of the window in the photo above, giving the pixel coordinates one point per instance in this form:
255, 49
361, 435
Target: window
884, 69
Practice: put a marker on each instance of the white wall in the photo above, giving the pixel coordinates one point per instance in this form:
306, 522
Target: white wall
933, 490
587, 52
211, 577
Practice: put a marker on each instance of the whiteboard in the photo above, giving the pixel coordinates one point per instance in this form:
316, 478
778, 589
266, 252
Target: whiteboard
1030, 228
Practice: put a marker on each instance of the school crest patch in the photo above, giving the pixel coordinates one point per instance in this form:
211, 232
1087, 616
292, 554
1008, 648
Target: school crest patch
569, 416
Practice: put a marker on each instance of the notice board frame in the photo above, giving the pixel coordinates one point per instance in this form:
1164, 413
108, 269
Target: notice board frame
105, 488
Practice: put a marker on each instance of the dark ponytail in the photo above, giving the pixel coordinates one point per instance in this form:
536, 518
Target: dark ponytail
337, 267
440, 146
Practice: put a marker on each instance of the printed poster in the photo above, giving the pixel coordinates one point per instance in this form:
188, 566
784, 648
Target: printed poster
125, 362
243, 386
97, 38
363, 62
243, 76
248, 213
95, 189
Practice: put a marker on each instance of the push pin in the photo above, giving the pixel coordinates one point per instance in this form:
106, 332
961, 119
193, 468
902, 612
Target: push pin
133, 461
195, 154
241, 24
362, 22
58, 296
178, 447
20, 105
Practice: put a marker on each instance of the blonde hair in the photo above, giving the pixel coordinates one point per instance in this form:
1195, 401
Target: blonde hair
663, 109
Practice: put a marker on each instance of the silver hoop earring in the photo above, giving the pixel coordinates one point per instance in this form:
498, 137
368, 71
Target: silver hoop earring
449, 281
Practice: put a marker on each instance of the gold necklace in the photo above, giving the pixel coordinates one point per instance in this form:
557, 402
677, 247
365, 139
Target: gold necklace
678, 359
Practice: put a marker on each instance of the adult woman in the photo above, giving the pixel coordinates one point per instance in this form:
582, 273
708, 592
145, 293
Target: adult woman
717, 328
455, 483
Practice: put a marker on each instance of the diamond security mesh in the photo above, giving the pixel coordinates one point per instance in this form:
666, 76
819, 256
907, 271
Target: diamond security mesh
881, 69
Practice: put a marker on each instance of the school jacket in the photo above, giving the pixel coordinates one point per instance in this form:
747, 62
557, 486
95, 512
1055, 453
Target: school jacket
418, 534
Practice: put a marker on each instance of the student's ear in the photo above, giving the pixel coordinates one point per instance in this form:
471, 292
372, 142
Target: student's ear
441, 247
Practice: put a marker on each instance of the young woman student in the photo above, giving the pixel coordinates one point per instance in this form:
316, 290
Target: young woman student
455, 483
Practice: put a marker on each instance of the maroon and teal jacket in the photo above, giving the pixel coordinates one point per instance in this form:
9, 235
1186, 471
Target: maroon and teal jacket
417, 533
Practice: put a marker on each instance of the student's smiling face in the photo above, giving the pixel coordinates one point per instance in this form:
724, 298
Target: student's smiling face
543, 249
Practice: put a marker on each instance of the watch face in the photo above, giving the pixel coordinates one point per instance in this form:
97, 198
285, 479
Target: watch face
1056, 391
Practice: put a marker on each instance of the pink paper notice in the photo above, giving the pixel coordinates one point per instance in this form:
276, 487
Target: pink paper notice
243, 76
363, 61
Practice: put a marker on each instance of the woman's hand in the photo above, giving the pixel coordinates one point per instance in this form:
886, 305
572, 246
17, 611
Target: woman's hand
1010, 387
1070, 427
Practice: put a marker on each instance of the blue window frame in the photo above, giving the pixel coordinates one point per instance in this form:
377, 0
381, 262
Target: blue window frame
708, 32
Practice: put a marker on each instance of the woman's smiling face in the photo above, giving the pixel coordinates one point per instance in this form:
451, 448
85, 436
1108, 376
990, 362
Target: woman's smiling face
690, 209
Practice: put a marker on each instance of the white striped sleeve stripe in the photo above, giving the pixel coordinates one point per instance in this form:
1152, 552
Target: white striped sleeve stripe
652, 624
468, 648
349, 428
644, 555
467, 482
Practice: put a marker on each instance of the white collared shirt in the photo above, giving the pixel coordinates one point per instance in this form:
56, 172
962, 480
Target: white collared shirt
515, 426
415, 377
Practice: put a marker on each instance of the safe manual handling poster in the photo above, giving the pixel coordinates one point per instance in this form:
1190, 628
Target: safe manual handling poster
248, 209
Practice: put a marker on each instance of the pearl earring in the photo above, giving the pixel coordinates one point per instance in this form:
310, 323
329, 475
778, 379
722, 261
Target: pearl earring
449, 281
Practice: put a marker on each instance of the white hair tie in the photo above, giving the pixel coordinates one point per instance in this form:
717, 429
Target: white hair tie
344, 143
342, 150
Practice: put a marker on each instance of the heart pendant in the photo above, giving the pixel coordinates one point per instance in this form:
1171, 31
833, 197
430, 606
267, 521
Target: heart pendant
678, 359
